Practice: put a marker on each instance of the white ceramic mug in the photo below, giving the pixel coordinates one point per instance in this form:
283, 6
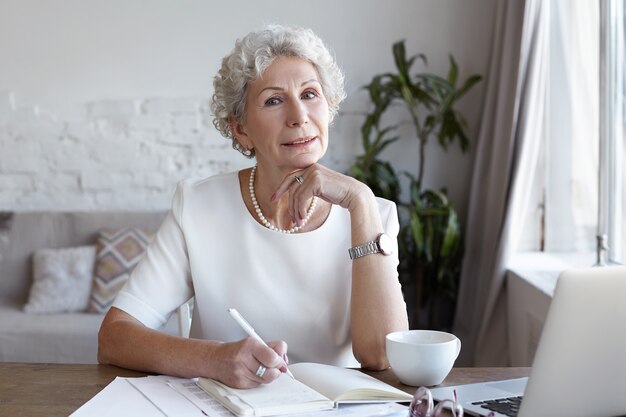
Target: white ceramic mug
422, 357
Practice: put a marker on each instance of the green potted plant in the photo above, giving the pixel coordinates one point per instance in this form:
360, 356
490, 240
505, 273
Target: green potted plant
431, 244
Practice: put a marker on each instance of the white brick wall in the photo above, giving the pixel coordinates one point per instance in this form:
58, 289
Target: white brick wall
121, 154
116, 154
7, 102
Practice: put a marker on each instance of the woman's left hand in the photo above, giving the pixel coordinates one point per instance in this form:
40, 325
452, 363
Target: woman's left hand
376, 304
329, 185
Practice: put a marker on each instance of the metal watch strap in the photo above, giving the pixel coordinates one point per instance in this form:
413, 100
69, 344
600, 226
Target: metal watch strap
368, 248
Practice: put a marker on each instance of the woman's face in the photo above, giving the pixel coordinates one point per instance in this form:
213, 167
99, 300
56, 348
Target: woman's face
287, 116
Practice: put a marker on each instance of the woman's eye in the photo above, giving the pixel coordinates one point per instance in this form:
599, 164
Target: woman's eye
308, 95
272, 101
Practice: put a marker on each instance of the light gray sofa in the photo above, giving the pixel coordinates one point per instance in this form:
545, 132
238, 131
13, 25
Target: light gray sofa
53, 338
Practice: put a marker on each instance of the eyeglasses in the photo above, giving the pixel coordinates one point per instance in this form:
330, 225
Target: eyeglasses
422, 405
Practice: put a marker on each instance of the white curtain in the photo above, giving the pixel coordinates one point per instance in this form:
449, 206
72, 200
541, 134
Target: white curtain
572, 142
507, 150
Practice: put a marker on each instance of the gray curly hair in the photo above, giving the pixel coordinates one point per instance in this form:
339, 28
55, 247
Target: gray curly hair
252, 55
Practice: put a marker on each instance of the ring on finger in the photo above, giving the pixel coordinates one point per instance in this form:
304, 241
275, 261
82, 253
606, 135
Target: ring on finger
299, 179
260, 371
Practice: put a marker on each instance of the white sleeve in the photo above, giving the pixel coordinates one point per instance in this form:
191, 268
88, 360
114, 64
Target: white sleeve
161, 282
389, 217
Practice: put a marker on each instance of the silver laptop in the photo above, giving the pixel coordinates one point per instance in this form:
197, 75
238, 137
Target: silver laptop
579, 369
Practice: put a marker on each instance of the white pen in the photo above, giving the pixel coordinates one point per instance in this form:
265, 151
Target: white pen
248, 329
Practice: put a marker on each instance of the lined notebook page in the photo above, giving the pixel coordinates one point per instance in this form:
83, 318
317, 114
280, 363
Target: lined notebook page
282, 392
342, 384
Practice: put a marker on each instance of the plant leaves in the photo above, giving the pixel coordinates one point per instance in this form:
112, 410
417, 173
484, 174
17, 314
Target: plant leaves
430, 237
451, 234
467, 85
399, 56
453, 73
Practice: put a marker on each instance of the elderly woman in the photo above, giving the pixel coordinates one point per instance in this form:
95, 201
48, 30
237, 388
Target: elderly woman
307, 254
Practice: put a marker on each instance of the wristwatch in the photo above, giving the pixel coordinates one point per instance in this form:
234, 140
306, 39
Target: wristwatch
382, 244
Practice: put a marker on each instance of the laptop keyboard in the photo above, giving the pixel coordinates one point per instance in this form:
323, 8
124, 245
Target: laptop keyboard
507, 406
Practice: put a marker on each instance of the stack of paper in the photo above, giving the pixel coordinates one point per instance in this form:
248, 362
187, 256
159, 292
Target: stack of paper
178, 397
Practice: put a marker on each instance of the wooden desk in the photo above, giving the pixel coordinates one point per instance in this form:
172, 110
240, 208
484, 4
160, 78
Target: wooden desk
32, 390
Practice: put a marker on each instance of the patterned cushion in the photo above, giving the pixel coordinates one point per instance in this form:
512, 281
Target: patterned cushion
119, 251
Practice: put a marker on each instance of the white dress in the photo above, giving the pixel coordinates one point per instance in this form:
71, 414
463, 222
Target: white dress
293, 287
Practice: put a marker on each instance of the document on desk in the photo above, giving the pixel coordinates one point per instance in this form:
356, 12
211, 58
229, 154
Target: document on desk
172, 402
119, 399
147, 396
198, 397
178, 397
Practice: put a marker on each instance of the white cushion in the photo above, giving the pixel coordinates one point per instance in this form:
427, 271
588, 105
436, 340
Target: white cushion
61, 280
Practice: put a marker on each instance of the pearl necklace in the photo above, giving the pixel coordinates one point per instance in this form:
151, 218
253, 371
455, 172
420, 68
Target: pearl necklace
266, 222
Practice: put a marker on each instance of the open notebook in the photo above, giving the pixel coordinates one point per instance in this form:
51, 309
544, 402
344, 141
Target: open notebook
315, 387
579, 368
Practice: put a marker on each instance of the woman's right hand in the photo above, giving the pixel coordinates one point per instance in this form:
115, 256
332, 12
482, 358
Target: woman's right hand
236, 363
126, 342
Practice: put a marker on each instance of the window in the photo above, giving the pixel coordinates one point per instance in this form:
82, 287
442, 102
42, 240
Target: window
580, 190
612, 181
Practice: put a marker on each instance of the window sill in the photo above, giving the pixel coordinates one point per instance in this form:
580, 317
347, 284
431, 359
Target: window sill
542, 269
531, 280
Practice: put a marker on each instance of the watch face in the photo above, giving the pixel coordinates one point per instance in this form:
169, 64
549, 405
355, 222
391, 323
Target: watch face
385, 244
